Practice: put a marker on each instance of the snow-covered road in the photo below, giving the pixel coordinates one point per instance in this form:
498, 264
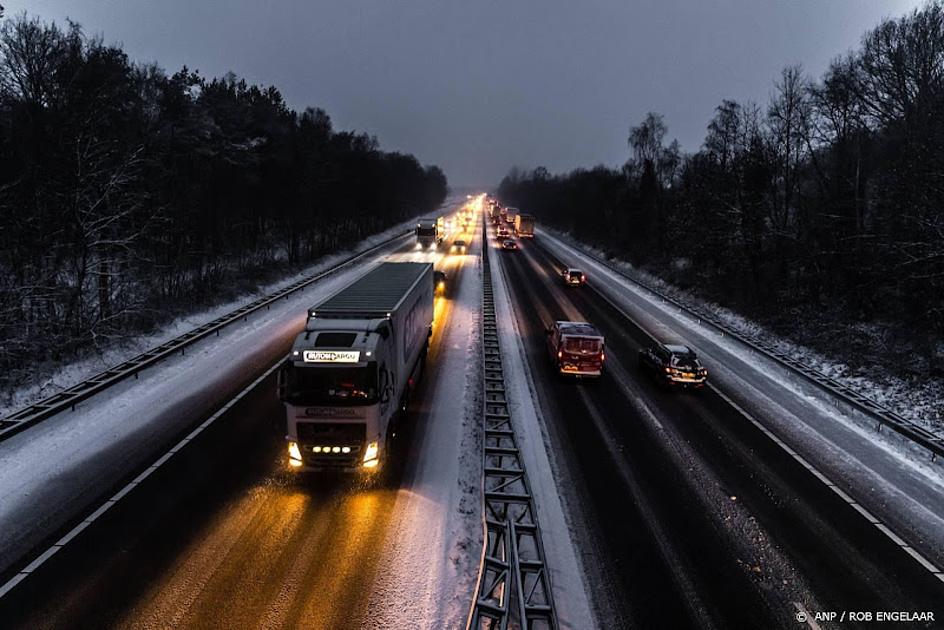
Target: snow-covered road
55, 470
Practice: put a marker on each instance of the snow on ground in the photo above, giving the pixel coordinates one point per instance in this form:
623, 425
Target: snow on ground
566, 573
92, 364
434, 542
52, 471
921, 400
889, 475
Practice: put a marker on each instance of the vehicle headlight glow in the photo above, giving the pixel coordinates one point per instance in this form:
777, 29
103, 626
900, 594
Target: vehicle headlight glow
370, 454
293, 451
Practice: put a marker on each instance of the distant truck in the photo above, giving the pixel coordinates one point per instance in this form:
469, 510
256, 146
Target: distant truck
495, 213
427, 233
351, 372
524, 225
510, 214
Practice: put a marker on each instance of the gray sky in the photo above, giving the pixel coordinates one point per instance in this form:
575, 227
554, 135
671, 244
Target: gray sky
479, 85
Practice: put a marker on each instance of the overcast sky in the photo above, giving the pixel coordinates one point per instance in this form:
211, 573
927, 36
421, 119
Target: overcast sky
477, 86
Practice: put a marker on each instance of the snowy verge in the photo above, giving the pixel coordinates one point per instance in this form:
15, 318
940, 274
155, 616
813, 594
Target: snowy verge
920, 400
566, 573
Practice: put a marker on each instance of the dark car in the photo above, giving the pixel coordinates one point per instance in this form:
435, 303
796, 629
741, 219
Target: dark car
459, 246
573, 277
673, 365
439, 281
576, 349
509, 245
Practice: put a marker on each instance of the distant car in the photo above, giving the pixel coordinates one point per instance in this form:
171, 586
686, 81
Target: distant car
576, 349
503, 231
673, 365
459, 246
573, 277
509, 245
439, 281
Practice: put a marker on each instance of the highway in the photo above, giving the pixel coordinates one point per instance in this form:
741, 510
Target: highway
226, 536
688, 514
681, 511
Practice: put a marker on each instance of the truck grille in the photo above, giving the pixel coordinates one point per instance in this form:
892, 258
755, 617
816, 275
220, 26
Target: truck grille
330, 435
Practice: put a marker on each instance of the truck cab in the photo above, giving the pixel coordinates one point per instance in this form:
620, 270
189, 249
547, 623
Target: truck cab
427, 233
576, 349
336, 386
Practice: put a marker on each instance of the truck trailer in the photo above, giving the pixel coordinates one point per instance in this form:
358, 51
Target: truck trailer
510, 214
524, 225
346, 384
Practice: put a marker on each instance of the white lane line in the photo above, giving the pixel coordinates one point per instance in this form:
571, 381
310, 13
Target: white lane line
113, 500
875, 522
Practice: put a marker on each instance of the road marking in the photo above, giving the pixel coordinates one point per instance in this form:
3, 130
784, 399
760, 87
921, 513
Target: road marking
877, 523
10, 584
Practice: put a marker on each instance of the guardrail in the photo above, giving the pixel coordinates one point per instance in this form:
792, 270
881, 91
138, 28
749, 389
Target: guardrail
929, 440
513, 586
70, 397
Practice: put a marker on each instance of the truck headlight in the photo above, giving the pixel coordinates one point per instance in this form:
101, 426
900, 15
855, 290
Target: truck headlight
370, 455
293, 453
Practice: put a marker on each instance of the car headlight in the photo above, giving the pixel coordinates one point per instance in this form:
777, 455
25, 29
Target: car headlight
294, 452
371, 453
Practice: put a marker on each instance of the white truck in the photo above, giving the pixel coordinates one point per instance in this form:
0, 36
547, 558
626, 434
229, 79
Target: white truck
350, 374
427, 233
510, 214
524, 225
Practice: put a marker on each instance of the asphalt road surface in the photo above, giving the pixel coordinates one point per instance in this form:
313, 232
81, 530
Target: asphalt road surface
689, 515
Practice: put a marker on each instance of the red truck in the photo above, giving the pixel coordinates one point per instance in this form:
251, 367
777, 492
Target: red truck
576, 349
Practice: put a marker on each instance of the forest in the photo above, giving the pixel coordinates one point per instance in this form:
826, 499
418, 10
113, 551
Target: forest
820, 213
129, 195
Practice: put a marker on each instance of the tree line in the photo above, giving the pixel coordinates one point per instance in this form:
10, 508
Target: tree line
128, 195
826, 202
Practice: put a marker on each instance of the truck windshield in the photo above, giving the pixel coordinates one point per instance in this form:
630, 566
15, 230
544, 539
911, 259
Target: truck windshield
582, 345
330, 385
431, 231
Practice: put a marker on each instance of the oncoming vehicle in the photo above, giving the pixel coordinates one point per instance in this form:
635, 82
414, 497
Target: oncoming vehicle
573, 277
346, 384
673, 365
509, 245
459, 246
576, 349
426, 233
